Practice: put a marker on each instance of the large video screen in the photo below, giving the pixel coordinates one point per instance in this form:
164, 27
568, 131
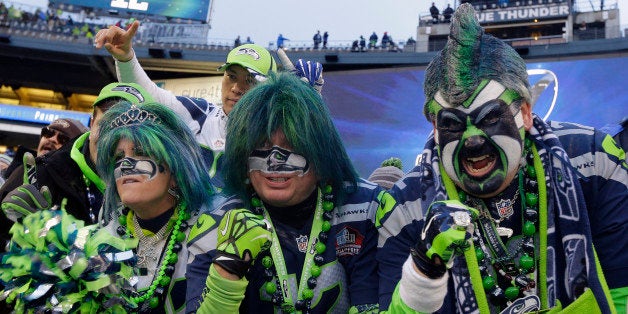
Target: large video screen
195, 10
379, 113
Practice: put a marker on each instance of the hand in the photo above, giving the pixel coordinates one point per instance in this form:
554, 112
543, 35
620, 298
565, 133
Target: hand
242, 235
117, 41
447, 227
308, 71
24, 200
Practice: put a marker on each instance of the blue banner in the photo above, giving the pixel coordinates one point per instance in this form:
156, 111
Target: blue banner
197, 10
39, 115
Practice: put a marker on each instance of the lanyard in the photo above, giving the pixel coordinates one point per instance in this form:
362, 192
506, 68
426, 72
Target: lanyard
280, 263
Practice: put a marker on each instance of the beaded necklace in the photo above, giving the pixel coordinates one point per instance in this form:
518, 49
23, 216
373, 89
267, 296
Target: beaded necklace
518, 272
162, 275
277, 277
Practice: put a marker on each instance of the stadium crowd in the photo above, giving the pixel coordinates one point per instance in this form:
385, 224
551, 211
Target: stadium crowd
172, 204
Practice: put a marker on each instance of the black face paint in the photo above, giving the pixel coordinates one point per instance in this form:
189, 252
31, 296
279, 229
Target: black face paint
131, 166
279, 161
481, 148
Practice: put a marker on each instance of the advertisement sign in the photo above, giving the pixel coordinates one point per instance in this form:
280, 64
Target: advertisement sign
207, 88
197, 10
39, 115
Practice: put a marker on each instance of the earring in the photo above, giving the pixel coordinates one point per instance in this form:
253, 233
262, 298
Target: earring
174, 192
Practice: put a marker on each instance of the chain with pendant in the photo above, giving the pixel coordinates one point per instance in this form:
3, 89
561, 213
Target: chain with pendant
148, 252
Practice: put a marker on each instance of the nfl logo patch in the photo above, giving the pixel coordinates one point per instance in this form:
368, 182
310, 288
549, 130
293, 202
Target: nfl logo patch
302, 243
504, 208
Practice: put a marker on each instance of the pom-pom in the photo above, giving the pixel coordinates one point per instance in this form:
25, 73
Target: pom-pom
57, 264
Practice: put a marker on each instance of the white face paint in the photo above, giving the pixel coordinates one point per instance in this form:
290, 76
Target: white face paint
278, 161
481, 141
131, 166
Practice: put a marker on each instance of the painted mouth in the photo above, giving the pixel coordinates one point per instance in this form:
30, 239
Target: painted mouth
480, 162
479, 166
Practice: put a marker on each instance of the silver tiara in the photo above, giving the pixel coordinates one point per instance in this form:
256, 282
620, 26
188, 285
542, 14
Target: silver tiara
135, 115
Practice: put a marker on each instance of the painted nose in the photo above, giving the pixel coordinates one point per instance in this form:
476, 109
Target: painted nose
474, 142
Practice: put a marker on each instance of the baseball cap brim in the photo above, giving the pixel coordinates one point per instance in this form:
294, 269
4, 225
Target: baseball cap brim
256, 59
131, 92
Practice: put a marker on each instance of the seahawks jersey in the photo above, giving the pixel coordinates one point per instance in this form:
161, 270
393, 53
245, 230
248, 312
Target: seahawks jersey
207, 121
603, 177
174, 300
349, 272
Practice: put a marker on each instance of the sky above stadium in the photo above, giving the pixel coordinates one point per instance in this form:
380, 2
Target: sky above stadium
345, 20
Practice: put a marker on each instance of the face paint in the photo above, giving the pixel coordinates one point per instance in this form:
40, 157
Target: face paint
278, 161
131, 166
480, 144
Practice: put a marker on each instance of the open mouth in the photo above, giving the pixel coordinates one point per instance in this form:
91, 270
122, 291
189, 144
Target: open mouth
277, 179
479, 166
479, 163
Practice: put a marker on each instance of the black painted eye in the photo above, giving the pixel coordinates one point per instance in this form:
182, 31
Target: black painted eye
491, 118
451, 123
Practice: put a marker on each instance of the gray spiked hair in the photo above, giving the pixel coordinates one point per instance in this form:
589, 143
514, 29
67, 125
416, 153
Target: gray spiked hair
470, 56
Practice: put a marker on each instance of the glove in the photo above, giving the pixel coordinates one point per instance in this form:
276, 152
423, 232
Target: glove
445, 232
308, 71
24, 200
242, 235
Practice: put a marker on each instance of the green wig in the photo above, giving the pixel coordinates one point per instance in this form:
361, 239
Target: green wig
469, 57
287, 103
165, 138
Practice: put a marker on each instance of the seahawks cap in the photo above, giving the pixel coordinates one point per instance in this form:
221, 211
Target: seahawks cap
254, 58
131, 92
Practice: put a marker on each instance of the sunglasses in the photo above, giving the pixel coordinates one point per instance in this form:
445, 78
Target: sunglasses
49, 133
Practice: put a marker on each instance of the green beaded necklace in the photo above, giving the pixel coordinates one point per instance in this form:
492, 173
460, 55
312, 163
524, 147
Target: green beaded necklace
277, 276
163, 276
518, 272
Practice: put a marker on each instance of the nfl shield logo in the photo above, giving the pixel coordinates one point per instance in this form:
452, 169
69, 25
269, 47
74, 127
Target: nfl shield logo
504, 208
302, 243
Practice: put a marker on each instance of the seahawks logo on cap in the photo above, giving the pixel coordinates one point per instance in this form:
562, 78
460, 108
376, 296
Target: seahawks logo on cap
130, 90
248, 51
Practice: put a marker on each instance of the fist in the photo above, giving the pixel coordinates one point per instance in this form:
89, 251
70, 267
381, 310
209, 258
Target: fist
446, 229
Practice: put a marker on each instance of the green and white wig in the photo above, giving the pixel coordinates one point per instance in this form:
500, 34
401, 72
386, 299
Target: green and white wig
162, 136
287, 103
469, 59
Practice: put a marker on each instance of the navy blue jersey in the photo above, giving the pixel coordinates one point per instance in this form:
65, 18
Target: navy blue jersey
349, 273
603, 177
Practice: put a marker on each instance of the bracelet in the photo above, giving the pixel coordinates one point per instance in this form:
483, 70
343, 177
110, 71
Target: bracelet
426, 266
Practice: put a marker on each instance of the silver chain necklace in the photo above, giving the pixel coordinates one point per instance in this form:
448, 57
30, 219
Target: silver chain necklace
147, 251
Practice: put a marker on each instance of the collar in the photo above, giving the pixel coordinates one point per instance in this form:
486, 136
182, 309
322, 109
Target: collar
80, 160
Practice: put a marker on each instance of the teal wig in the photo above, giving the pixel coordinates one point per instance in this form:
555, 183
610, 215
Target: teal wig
470, 56
287, 103
165, 138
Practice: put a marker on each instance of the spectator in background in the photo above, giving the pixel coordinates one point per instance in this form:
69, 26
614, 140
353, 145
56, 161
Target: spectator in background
325, 37
410, 41
248, 40
447, 13
280, 40
362, 43
373, 41
317, 39
434, 13
237, 42
385, 40
388, 173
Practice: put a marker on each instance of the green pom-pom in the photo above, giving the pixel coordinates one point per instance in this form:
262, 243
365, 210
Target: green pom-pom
393, 161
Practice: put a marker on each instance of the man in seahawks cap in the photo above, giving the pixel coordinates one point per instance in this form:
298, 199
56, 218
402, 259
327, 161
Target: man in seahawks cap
246, 65
70, 172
